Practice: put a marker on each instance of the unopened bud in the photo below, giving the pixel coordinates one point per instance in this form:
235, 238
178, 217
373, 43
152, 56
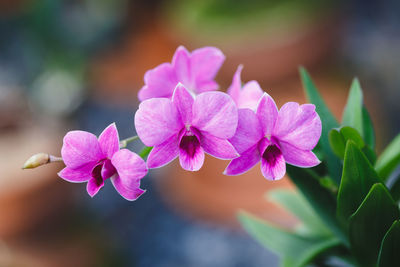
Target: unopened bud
36, 161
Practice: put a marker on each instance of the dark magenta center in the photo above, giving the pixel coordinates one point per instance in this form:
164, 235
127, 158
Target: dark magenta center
271, 154
189, 144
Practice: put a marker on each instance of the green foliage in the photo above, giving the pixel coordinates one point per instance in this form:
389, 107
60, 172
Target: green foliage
389, 159
370, 222
296, 250
328, 122
389, 255
298, 206
357, 223
357, 179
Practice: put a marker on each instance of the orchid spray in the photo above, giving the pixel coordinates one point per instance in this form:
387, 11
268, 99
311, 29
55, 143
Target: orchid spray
347, 196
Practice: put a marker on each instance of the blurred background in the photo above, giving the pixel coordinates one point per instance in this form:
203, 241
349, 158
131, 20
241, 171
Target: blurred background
78, 64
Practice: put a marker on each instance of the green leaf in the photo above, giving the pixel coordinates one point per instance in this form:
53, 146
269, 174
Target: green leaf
370, 154
350, 133
395, 188
298, 206
357, 179
337, 143
297, 250
368, 129
145, 152
320, 198
389, 255
353, 114
370, 222
389, 159
328, 122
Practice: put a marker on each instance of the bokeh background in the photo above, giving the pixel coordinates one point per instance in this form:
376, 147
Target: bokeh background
78, 64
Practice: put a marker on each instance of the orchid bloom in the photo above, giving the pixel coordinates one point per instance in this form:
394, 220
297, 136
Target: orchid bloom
187, 126
246, 96
93, 160
196, 71
275, 137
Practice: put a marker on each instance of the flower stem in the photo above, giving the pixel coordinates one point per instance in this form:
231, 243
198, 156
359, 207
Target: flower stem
125, 142
145, 152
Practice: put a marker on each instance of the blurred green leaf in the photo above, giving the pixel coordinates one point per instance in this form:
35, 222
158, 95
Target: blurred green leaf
370, 154
357, 179
298, 206
297, 250
368, 129
368, 225
389, 255
353, 114
337, 143
389, 159
145, 152
395, 188
328, 122
350, 133
319, 197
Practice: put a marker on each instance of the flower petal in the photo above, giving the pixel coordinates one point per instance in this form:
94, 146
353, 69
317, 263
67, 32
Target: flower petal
107, 170
298, 125
191, 154
80, 175
92, 187
130, 167
248, 132
205, 63
243, 163
183, 101
127, 193
156, 120
164, 153
273, 171
217, 147
250, 95
298, 157
159, 82
236, 85
109, 140
267, 113
80, 148
216, 114
181, 65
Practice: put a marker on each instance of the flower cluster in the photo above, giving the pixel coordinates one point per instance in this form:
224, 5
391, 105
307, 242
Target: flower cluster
182, 115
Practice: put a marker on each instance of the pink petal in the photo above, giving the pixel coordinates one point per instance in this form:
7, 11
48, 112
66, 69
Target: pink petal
248, 132
130, 167
183, 101
217, 147
273, 171
267, 113
205, 63
298, 125
215, 113
80, 148
127, 193
109, 140
156, 120
181, 65
298, 157
243, 163
250, 95
107, 170
159, 82
191, 154
164, 153
82, 174
93, 188
236, 85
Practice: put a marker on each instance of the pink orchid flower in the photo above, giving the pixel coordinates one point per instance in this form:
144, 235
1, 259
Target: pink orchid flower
188, 127
196, 71
275, 137
93, 160
246, 96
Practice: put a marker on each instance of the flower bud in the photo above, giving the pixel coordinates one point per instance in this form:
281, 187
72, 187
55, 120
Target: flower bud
36, 161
